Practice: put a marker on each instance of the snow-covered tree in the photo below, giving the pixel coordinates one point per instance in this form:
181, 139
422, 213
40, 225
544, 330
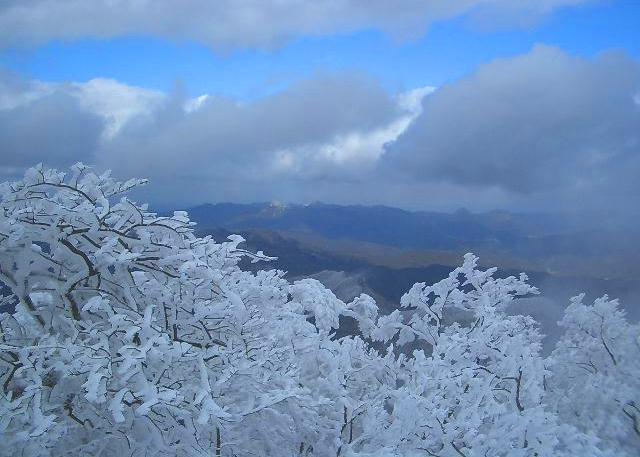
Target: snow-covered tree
595, 382
129, 335
479, 390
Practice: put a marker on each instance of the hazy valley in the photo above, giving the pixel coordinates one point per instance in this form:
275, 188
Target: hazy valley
382, 251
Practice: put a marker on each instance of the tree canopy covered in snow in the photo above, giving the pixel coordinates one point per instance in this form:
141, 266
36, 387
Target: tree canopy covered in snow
128, 335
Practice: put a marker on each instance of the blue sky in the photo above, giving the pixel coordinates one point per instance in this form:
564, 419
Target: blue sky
449, 50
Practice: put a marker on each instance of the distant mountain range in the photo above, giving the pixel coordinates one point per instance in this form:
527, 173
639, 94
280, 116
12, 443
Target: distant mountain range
381, 224
382, 251
597, 245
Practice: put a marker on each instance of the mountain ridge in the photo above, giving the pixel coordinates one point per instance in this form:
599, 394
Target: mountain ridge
597, 243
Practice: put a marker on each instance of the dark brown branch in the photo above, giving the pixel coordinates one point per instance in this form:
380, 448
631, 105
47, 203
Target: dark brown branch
5, 386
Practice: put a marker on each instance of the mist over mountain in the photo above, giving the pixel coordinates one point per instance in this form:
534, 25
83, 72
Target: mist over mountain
600, 244
382, 251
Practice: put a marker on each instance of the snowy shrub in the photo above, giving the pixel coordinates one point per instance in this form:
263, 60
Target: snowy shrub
131, 336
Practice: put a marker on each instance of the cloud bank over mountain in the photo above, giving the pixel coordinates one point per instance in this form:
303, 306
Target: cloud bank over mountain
540, 122
544, 128
263, 24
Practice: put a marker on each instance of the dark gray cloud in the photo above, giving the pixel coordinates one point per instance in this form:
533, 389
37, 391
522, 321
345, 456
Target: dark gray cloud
317, 133
230, 24
252, 150
538, 131
53, 128
61, 123
539, 123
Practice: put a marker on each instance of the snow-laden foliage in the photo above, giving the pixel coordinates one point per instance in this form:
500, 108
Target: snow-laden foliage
595, 384
129, 335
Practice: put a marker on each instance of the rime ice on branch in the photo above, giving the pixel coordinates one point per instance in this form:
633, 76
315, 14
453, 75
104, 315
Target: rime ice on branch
132, 336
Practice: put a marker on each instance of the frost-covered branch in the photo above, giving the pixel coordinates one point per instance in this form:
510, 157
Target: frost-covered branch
132, 336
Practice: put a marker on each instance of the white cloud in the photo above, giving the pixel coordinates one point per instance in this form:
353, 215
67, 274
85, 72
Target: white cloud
331, 127
544, 128
194, 104
232, 24
358, 151
117, 103
15, 92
